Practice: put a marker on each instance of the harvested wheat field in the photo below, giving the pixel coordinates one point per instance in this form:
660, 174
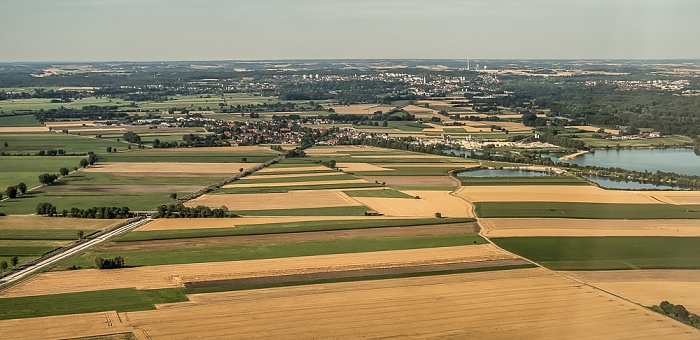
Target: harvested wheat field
41, 222
466, 164
361, 167
242, 184
23, 129
296, 168
84, 326
165, 276
515, 227
203, 168
430, 202
439, 229
678, 197
648, 287
524, 304
553, 193
416, 181
286, 200
594, 129
199, 223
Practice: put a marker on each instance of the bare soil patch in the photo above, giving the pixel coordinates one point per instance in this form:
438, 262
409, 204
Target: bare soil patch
514, 227
41, 222
648, 287
439, 229
287, 200
553, 193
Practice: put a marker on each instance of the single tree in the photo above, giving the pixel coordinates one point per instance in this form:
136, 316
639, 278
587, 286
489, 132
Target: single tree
438, 215
6, 145
240, 169
11, 191
109, 149
84, 162
14, 260
22, 187
243, 159
3, 265
64, 171
173, 196
80, 234
332, 163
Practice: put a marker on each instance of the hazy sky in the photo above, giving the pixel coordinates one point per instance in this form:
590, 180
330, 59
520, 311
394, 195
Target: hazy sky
133, 30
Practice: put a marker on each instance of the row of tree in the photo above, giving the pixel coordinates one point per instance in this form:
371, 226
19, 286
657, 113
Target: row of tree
14, 260
678, 312
181, 211
117, 262
13, 190
49, 209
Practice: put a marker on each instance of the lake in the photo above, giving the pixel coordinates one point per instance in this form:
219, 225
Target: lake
681, 161
609, 183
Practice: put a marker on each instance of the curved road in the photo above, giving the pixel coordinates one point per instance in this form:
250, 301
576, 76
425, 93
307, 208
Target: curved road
71, 250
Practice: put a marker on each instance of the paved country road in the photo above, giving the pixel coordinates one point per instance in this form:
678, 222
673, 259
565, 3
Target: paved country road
71, 250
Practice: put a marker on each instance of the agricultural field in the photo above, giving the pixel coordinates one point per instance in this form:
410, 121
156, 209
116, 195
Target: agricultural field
529, 303
525, 209
29, 237
526, 227
606, 253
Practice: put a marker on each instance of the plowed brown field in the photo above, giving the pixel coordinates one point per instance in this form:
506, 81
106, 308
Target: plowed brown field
649, 287
512, 304
514, 227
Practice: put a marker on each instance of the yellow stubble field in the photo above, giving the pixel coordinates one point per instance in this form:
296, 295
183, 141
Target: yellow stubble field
524, 304
288, 200
525, 227
556, 193
429, 203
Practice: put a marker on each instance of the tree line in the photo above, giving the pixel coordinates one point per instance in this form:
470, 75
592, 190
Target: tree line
181, 211
50, 210
678, 312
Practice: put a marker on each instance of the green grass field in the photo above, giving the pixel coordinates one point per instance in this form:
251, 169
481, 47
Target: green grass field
101, 178
18, 120
275, 250
34, 142
26, 204
413, 171
191, 155
279, 228
16, 169
121, 300
607, 253
586, 210
387, 193
543, 180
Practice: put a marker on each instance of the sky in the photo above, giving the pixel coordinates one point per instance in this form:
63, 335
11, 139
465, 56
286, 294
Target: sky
155, 30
